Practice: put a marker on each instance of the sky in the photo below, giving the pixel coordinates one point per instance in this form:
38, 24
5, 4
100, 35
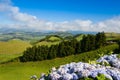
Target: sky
61, 15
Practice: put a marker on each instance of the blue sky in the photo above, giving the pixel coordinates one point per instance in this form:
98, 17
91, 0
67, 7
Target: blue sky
61, 15
70, 9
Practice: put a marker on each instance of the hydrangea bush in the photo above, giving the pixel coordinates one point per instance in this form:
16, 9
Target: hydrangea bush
86, 71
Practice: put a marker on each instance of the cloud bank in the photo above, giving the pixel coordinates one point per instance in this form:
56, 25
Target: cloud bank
26, 21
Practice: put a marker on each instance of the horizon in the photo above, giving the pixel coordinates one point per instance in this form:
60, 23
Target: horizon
64, 15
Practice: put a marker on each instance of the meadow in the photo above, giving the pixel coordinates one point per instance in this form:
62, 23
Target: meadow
23, 71
113, 36
12, 49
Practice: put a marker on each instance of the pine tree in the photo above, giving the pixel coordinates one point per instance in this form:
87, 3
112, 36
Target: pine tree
119, 45
78, 48
100, 39
52, 52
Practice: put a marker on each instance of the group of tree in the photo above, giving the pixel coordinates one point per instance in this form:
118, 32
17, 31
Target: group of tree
117, 50
119, 46
65, 48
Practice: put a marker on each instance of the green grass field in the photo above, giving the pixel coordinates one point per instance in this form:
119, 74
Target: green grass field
47, 43
113, 36
78, 38
53, 38
8, 57
12, 49
23, 71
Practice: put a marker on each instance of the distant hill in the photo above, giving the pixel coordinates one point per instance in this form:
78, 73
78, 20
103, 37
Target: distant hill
30, 36
50, 40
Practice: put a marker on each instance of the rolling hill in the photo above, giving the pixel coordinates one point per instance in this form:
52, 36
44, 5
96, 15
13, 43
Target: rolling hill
50, 40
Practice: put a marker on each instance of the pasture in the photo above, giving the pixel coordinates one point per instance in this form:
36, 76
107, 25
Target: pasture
12, 49
113, 36
47, 43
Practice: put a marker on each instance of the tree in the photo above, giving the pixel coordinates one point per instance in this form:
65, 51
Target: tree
61, 50
65, 48
119, 45
100, 39
85, 43
52, 52
92, 42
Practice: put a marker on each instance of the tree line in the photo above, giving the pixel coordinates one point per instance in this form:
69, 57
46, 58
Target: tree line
119, 46
65, 48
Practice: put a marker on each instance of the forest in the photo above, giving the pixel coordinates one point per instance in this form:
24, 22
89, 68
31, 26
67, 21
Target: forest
65, 48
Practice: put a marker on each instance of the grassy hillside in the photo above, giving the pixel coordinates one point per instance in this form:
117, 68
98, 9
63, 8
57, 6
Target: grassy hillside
50, 40
47, 43
54, 38
112, 36
23, 71
8, 57
79, 37
12, 49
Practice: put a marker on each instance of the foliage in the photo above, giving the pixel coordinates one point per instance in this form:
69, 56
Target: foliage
119, 45
65, 48
101, 39
101, 77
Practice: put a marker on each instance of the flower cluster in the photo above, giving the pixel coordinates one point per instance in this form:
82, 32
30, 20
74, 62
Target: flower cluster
110, 59
75, 71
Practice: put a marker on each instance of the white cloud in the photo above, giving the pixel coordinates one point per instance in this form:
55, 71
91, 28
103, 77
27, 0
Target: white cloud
27, 21
110, 25
14, 12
